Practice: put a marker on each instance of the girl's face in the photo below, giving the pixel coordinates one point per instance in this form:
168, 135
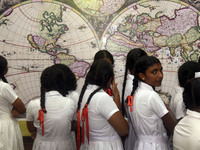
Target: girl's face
153, 75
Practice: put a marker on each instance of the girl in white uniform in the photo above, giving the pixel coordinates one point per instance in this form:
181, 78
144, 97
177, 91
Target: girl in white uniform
102, 122
186, 72
56, 110
10, 107
113, 89
149, 114
132, 56
187, 131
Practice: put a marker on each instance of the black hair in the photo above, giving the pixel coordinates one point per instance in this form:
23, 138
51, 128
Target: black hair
187, 71
191, 94
140, 67
59, 78
70, 79
3, 68
132, 56
101, 71
103, 54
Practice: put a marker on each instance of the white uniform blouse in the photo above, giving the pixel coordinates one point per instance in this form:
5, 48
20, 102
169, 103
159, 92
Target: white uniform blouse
148, 109
130, 140
10, 133
102, 135
187, 132
177, 105
7, 97
57, 122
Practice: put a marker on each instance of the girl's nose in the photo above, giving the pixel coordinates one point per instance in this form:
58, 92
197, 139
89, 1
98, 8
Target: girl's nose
160, 74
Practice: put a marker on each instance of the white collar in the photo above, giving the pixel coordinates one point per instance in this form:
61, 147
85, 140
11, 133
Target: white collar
193, 113
145, 86
52, 93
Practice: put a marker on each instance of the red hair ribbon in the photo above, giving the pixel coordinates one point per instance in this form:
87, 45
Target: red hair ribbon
109, 91
130, 102
78, 130
41, 119
84, 117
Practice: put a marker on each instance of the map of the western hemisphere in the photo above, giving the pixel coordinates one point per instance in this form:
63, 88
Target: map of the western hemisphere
36, 34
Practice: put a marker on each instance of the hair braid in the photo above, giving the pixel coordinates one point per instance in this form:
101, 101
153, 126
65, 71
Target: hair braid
3, 78
81, 95
92, 94
3, 68
135, 84
46, 85
123, 90
42, 100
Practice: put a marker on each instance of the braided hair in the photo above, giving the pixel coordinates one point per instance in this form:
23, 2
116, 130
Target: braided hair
187, 71
132, 56
191, 94
104, 54
69, 83
140, 67
3, 68
99, 74
58, 78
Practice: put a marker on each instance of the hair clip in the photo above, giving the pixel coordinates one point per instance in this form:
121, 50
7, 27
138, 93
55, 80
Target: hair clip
197, 74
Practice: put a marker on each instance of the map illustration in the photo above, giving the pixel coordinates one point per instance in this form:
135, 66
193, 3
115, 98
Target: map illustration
99, 7
34, 35
167, 30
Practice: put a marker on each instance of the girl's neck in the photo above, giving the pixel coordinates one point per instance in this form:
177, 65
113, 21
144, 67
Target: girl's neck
197, 109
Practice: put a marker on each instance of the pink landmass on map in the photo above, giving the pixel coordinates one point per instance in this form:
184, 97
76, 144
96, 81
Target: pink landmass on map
183, 20
39, 41
80, 67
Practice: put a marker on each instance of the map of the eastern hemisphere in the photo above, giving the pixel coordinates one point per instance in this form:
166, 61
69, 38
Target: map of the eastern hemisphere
38, 33
168, 30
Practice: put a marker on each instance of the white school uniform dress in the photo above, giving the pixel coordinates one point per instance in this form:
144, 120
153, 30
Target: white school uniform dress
187, 132
177, 105
10, 134
148, 109
130, 140
57, 122
102, 136
75, 96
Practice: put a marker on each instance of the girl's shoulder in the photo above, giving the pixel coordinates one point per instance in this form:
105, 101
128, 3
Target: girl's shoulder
4, 85
34, 102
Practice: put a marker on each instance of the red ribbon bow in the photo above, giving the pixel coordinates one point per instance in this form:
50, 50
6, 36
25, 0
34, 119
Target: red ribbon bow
78, 130
41, 119
130, 102
109, 91
84, 117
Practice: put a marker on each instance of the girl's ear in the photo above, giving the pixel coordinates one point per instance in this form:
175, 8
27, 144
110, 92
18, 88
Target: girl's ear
141, 76
109, 82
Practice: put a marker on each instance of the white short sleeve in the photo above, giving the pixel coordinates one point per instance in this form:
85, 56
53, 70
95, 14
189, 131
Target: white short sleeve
157, 105
106, 106
8, 93
180, 109
29, 113
75, 97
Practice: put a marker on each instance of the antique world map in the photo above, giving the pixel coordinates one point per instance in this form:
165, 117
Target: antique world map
38, 33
